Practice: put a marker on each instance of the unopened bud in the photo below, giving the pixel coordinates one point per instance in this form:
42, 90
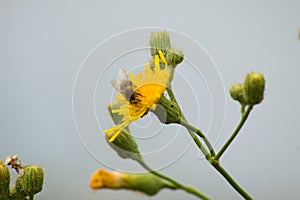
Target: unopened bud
254, 87
4, 181
167, 111
124, 144
31, 181
146, 183
174, 57
237, 93
17, 195
159, 41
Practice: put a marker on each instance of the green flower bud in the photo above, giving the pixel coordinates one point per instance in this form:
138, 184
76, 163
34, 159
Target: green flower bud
18, 192
167, 111
4, 181
254, 87
124, 144
174, 57
14, 195
146, 183
160, 41
237, 93
31, 181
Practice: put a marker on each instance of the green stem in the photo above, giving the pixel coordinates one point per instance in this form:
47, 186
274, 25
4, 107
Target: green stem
235, 132
169, 88
192, 129
230, 180
184, 123
200, 145
214, 161
188, 189
171, 94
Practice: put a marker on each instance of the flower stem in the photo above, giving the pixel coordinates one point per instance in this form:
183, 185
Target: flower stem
214, 160
216, 164
171, 94
184, 123
235, 132
200, 145
178, 185
192, 129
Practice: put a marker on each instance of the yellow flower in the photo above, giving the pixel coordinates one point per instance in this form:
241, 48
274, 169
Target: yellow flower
148, 87
146, 183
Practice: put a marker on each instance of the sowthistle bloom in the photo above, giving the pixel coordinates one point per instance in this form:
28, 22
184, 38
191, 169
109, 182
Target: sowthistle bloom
147, 89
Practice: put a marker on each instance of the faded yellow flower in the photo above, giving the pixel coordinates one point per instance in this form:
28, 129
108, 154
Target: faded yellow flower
106, 179
146, 183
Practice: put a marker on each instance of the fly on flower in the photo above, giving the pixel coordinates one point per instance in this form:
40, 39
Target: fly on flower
123, 84
125, 87
139, 93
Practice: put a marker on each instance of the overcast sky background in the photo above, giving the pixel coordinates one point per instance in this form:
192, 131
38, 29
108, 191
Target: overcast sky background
44, 43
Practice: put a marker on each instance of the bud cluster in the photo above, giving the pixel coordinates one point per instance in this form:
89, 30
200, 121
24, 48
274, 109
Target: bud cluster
29, 182
161, 41
250, 92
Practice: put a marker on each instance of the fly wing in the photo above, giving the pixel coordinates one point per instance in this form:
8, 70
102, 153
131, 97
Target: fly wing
115, 84
122, 76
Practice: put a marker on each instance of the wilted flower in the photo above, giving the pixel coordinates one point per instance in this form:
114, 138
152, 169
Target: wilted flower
145, 183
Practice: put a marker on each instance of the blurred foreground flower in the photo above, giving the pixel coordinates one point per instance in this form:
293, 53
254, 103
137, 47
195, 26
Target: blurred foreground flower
145, 183
29, 182
4, 181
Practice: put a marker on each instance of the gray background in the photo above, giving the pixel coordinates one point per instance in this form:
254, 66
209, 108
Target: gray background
43, 44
